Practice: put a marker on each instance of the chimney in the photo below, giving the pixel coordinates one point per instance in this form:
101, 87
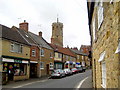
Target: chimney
40, 34
24, 26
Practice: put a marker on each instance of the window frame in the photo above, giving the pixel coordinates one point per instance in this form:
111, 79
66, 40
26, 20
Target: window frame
33, 55
41, 65
16, 47
103, 77
100, 13
42, 52
51, 65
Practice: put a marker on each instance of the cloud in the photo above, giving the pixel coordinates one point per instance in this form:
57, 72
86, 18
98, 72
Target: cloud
42, 13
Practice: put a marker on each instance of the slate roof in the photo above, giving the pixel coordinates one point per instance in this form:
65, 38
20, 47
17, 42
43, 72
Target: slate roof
12, 35
25, 35
78, 52
62, 50
39, 40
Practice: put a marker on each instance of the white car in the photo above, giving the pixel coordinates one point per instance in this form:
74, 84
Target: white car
68, 71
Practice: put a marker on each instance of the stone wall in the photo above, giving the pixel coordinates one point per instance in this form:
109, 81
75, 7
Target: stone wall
107, 40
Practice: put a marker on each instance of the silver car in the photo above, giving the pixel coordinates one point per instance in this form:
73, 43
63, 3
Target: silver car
58, 73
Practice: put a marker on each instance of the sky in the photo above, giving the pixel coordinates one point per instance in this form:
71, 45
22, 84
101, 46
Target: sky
40, 14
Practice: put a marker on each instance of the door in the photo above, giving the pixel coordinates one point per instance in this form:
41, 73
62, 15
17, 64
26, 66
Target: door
47, 68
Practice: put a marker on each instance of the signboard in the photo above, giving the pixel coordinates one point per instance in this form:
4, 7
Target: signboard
17, 61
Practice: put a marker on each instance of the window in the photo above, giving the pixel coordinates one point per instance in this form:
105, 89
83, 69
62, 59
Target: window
12, 47
16, 48
93, 26
82, 57
33, 52
42, 52
78, 57
51, 65
111, 1
66, 57
59, 55
100, 13
103, 74
41, 65
51, 55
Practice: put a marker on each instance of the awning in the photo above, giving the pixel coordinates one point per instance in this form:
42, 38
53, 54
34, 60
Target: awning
118, 48
24, 61
70, 62
102, 55
67, 62
78, 63
33, 62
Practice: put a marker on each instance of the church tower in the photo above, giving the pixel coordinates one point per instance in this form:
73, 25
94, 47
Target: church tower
57, 33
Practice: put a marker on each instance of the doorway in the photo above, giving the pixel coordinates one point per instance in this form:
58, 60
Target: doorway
47, 68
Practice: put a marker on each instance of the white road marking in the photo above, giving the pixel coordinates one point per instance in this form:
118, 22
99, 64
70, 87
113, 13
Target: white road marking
29, 83
80, 84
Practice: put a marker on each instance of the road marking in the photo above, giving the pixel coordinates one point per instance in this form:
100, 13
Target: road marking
80, 84
29, 83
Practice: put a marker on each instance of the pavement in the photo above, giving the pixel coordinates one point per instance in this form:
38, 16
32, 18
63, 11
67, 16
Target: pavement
87, 83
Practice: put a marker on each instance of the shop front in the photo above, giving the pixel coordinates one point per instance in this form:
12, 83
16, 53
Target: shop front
33, 69
16, 69
58, 65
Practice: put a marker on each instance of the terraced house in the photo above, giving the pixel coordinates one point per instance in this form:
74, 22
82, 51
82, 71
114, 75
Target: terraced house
15, 56
41, 54
104, 22
63, 57
81, 58
46, 54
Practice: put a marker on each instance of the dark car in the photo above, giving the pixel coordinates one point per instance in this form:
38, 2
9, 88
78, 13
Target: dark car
84, 68
74, 70
80, 69
67, 71
58, 73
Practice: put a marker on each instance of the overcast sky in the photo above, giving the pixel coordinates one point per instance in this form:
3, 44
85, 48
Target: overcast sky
40, 14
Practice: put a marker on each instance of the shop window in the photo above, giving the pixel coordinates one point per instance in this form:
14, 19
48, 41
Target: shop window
33, 52
51, 65
41, 65
42, 52
104, 74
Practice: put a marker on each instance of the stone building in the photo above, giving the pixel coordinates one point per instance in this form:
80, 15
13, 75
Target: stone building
57, 33
81, 58
15, 55
104, 23
34, 49
46, 54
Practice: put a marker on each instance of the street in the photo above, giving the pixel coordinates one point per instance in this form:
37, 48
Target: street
72, 81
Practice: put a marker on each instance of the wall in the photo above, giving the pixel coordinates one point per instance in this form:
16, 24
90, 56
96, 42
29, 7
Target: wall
6, 50
107, 40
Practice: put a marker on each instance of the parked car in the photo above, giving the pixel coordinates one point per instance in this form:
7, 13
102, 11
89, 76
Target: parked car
80, 69
84, 68
58, 73
74, 70
67, 71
